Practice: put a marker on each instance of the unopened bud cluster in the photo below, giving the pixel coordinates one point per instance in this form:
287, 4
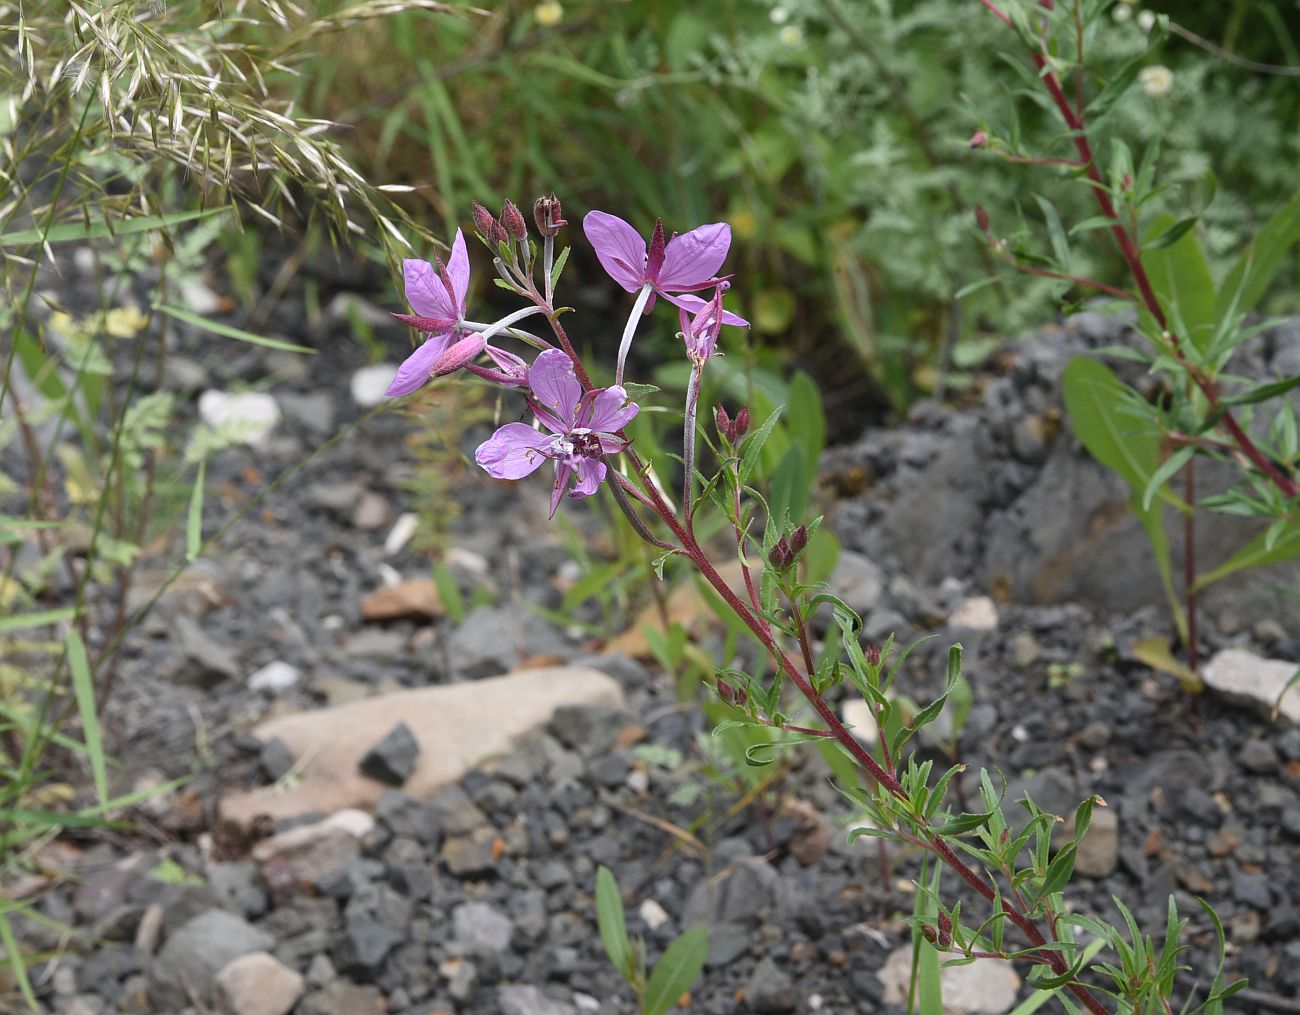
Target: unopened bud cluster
731, 430
786, 550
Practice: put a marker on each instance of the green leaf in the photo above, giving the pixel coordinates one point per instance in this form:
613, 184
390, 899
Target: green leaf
1171, 235
1056, 233
194, 516
807, 423
963, 823
755, 441
676, 972
1094, 399
1262, 393
1256, 553
81, 231
1181, 277
37, 619
1249, 278
226, 331
16, 963
1164, 474
613, 927
83, 688
558, 267
1291, 682
1157, 653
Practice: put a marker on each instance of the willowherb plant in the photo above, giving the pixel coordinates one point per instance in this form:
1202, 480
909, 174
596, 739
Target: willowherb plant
1193, 323
578, 427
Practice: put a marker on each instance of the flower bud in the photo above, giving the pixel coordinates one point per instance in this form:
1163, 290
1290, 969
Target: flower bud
981, 218
930, 933
548, 215
512, 221
945, 931
498, 235
798, 540
742, 422
979, 139
872, 654
780, 556
483, 221
732, 695
726, 428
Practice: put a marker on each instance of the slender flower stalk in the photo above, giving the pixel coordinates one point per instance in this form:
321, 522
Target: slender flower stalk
629, 330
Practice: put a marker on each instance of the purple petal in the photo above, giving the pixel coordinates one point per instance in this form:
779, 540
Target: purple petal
555, 387
621, 250
693, 305
591, 474
457, 355
694, 257
564, 473
511, 366
426, 294
608, 413
513, 452
415, 369
458, 269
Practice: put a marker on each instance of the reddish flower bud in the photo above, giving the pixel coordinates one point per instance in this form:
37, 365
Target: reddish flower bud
981, 218
798, 540
483, 221
512, 221
457, 355
780, 556
872, 654
726, 428
930, 933
742, 422
978, 140
945, 931
498, 235
735, 696
548, 215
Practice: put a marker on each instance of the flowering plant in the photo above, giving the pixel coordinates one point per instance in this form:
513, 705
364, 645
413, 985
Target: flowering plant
580, 427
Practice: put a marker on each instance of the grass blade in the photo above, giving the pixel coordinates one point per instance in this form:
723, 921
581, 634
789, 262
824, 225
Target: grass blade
228, 331
194, 517
83, 688
37, 619
80, 231
16, 961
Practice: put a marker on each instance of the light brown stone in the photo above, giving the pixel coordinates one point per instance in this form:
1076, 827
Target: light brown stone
985, 987
415, 597
1256, 683
458, 727
257, 984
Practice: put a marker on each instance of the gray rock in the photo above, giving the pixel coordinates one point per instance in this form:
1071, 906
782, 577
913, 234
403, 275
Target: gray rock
770, 990
727, 943
477, 927
373, 643
1290, 822
371, 512
407, 816
313, 411
196, 952
858, 581
492, 640
363, 947
392, 760
342, 998
275, 759
456, 813
1051, 790
1258, 756
205, 662
591, 730
525, 999
739, 896
1251, 890
469, 856
1200, 806
257, 984
239, 887
463, 979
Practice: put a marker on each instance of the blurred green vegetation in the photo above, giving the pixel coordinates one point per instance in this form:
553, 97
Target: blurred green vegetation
831, 134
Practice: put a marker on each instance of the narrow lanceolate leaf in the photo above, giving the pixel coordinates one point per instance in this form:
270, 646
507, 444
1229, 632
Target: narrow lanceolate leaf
1168, 469
613, 928
83, 689
1181, 277
194, 517
1250, 277
676, 972
227, 331
1256, 553
1095, 399
37, 619
15, 956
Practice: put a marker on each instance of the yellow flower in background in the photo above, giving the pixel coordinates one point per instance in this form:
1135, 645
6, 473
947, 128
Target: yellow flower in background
550, 14
791, 35
1157, 81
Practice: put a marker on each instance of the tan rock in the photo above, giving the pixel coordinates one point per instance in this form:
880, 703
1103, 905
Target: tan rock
458, 727
1248, 680
257, 984
685, 606
415, 597
985, 987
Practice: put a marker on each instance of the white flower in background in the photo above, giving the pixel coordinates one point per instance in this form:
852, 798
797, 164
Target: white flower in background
1157, 81
780, 15
548, 15
1146, 20
1121, 13
791, 35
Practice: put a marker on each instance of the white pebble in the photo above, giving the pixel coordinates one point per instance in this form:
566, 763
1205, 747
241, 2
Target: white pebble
369, 384
401, 532
274, 676
652, 914
254, 412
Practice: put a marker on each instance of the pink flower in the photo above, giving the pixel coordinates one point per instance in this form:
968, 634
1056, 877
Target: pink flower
436, 292
584, 428
700, 331
686, 263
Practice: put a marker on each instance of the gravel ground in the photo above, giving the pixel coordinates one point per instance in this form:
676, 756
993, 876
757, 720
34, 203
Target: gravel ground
480, 900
